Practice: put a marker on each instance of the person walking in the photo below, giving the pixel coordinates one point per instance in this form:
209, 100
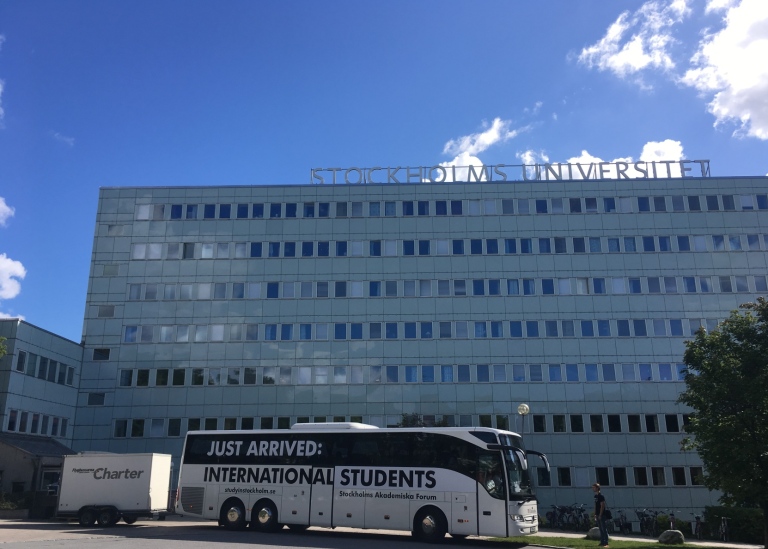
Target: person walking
600, 516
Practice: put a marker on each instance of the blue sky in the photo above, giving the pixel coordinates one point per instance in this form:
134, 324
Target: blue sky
107, 93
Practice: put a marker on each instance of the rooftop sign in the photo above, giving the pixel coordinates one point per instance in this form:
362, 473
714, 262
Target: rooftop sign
661, 169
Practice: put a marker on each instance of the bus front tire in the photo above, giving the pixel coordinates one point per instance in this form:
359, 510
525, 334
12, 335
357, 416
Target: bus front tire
429, 525
86, 517
264, 516
233, 514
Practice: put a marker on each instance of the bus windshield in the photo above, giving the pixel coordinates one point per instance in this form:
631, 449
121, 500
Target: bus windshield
518, 477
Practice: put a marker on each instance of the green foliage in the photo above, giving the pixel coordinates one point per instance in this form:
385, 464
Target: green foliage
727, 388
11, 502
744, 524
3, 348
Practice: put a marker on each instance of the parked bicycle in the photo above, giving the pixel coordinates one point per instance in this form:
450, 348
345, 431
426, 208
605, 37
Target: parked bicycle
621, 523
724, 533
649, 526
569, 517
697, 528
671, 518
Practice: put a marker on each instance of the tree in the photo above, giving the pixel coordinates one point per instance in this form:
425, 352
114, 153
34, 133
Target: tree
727, 388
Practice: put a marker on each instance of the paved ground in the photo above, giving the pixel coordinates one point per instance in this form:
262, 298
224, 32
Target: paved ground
51, 533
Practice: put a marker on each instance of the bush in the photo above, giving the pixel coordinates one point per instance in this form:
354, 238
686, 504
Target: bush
11, 502
744, 524
682, 525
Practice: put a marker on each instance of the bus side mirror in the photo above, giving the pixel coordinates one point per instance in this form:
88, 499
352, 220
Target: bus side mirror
523, 460
540, 455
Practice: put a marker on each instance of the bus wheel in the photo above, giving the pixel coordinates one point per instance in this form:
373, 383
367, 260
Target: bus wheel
264, 516
107, 517
429, 525
233, 514
86, 517
129, 519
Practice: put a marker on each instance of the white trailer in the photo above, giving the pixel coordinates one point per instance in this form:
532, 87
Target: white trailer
104, 488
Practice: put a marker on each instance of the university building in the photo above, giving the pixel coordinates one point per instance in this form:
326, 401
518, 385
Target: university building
263, 306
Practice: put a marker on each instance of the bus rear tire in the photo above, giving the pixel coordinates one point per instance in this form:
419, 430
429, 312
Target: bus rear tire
107, 517
86, 517
233, 514
264, 516
429, 525
129, 519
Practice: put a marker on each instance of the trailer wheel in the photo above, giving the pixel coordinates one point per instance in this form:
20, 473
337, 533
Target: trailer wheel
107, 517
129, 519
86, 517
264, 516
233, 514
429, 525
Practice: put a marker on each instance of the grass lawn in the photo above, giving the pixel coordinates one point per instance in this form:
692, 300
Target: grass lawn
583, 543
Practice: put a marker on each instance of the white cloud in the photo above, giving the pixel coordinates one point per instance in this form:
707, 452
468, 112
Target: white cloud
63, 139
638, 41
731, 66
653, 151
466, 148
6, 212
662, 150
498, 132
10, 271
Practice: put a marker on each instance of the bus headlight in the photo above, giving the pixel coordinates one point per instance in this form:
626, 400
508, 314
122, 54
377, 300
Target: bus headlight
517, 517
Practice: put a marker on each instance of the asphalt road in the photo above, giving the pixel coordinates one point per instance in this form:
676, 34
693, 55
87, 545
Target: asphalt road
173, 534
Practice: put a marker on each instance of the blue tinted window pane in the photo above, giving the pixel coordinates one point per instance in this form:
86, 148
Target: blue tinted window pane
256, 249
587, 328
340, 331
225, 211
176, 211
463, 373
571, 372
609, 372
257, 212
590, 370
428, 374
483, 373
535, 372
209, 211
526, 246
665, 372
555, 372
510, 246
646, 373
446, 374
410, 330
515, 328
603, 328
392, 374
518, 372
532, 328
356, 330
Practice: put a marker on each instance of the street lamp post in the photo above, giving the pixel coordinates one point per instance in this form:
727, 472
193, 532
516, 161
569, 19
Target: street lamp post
522, 411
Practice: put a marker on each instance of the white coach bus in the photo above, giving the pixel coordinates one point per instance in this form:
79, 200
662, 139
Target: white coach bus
430, 481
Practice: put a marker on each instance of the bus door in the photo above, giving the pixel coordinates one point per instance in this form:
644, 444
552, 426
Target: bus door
321, 502
348, 501
491, 495
296, 498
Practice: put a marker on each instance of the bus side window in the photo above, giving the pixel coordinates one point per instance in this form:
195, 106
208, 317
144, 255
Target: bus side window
364, 452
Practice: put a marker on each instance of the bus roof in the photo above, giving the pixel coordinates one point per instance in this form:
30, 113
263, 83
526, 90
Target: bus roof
328, 426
